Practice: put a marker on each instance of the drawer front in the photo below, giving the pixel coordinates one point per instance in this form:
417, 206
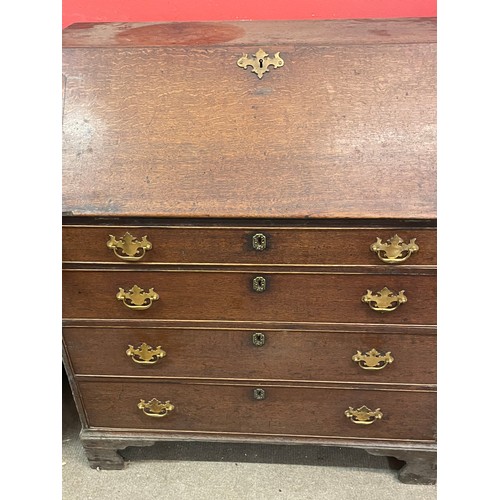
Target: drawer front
283, 411
246, 354
260, 245
229, 296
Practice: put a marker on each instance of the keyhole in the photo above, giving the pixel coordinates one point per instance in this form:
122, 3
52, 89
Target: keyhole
259, 241
261, 63
259, 284
258, 339
259, 394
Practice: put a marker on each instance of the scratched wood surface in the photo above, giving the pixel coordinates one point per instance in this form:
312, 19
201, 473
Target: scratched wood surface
343, 129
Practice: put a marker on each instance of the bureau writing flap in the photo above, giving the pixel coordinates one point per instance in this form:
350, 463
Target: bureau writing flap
160, 120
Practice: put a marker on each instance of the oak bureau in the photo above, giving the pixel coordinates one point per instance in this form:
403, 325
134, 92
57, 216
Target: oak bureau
249, 235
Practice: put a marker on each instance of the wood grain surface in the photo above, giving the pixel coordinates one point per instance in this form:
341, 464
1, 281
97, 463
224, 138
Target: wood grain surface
231, 354
318, 32
290, 246
285, 410
228, 296
162, 130
341, 130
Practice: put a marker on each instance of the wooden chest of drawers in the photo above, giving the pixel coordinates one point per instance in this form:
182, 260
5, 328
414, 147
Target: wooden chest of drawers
250, 255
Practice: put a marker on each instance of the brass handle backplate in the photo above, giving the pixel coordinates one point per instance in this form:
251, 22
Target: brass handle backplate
136, 298
385, 300
155, 408
260, 62
128, 247
259, 284
145, 354
395, 250
363, 415
259, 242
373, 360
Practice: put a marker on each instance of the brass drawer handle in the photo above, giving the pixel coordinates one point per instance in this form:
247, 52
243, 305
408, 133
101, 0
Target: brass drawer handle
260, 62
259, 242
136, 298
155, 408
145, 354
128, 247
395, 250
259, 284
363, 415
259, 394
372, 360
385, 300
258, 339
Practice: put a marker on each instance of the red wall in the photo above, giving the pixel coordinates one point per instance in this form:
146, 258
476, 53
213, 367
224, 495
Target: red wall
218, 10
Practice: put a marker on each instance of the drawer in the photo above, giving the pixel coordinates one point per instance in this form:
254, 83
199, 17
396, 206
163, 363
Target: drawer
285, 410
229, 296
259, 245
246, 354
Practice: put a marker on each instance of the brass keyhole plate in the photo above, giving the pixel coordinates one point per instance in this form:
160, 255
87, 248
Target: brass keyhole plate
259, 284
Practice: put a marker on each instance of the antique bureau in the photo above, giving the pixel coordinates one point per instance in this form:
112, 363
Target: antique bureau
249, 235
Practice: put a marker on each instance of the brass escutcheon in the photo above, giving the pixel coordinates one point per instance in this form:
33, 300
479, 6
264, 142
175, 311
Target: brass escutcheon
155, 408
130, 248
259, 393
395, 250
260, 62
145, 354
385, 300
372, 360
258, 339
259, 284
259, 242
136, 298
363, 415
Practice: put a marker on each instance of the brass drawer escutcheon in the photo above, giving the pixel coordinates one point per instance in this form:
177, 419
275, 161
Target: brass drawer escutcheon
128, 247
136, 298
259, 394
145, 354
385, 300
258, 339
363, 415
260, 62
259, 242
373, 360
395, 250
155, 408
259, 284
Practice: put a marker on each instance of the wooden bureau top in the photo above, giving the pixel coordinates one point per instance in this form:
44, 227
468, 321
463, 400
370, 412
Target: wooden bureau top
159, 120
316, 32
